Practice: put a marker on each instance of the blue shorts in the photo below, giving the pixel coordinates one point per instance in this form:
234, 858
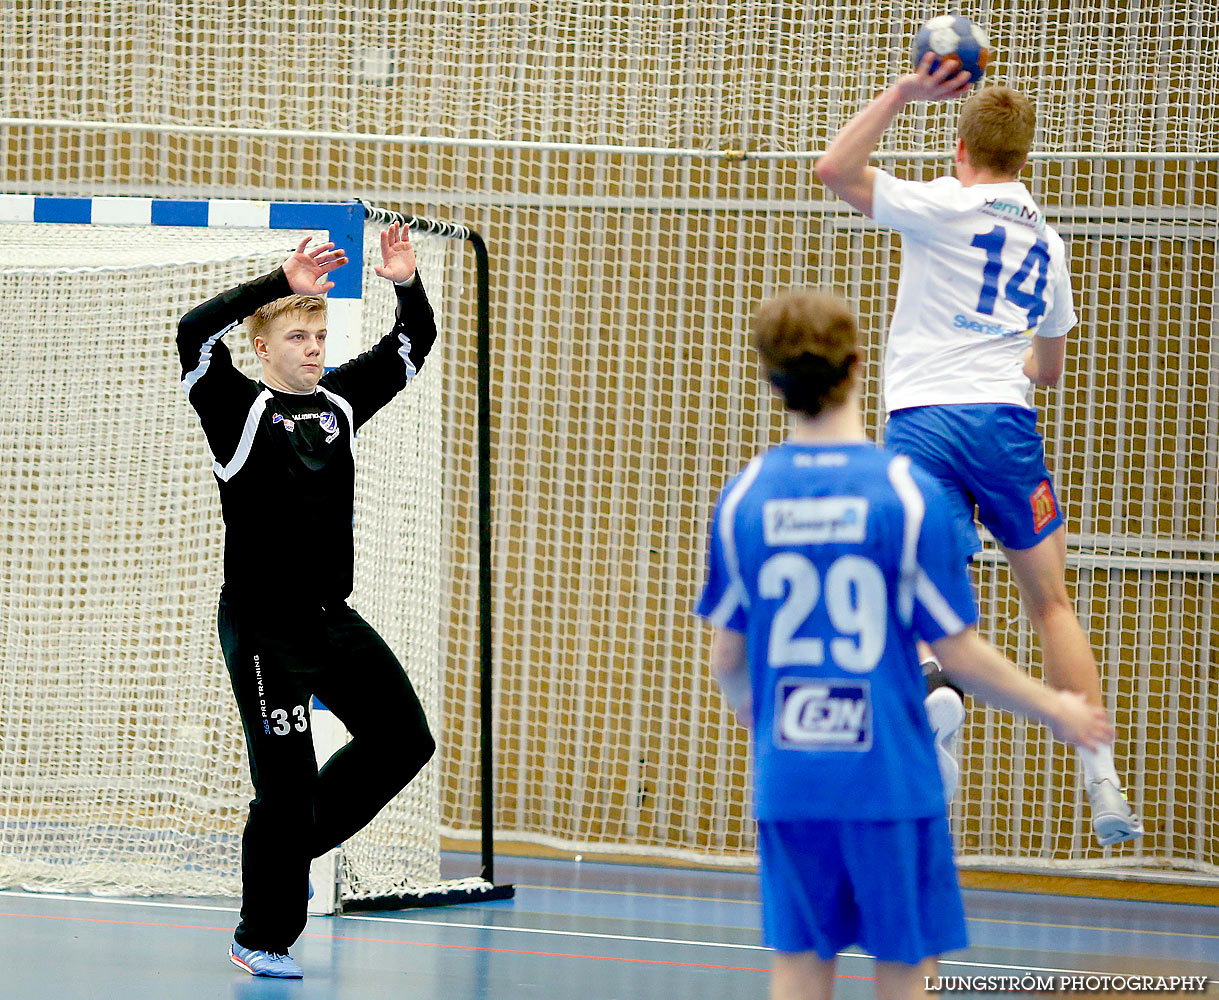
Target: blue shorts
989, 455
890, 887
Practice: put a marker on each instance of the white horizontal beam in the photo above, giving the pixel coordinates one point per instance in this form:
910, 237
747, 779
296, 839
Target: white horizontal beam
392, 139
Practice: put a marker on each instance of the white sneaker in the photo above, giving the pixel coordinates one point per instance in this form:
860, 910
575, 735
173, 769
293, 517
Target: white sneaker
1112, 818
946, 713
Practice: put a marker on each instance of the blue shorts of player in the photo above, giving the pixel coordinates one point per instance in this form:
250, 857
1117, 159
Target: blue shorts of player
986, 454
889, 886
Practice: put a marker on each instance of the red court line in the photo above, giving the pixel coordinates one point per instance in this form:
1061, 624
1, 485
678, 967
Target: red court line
417, 944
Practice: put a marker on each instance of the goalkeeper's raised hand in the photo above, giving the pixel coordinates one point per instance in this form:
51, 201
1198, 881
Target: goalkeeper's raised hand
306, 270
397, 254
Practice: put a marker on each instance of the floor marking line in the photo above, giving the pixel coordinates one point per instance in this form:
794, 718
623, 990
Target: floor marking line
114, 923
1086, 927
543, 954
557, 932
646, 895
116, 901
399, 941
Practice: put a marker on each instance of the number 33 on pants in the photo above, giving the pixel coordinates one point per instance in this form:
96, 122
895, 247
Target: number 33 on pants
279, 725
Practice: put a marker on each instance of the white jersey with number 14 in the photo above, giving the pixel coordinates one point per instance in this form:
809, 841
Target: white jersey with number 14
981, 274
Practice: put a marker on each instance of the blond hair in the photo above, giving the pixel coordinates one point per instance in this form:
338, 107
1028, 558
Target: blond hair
306, 305
807, 344
997, 126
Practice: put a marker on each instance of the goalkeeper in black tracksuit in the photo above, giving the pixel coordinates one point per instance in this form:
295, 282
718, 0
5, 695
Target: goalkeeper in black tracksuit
283, 453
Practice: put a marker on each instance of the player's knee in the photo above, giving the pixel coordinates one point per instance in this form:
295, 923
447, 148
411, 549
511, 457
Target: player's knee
1050, 603
282, 810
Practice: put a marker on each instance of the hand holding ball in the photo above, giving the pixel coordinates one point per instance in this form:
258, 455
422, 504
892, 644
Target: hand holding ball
954, 38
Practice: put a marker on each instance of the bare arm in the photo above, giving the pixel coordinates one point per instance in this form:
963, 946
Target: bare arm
730, 665
844, 167
1044, 360
982, 670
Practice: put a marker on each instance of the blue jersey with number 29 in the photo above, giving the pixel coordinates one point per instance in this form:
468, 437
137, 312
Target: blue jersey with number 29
831, 559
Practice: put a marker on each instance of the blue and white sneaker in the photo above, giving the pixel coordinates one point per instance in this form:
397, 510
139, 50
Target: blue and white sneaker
1112, 818
275, 965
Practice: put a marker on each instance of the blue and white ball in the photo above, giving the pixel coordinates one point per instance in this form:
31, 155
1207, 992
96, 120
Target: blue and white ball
953, 37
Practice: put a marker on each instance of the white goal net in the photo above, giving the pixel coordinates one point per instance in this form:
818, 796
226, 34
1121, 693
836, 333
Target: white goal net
123, 766
641, 173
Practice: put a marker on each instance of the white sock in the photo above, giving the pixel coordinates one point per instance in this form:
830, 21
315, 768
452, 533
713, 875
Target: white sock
1098, 763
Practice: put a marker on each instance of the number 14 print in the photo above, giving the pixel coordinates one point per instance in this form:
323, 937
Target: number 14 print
1037, 258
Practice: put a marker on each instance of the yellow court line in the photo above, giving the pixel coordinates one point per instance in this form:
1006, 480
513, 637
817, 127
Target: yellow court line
980, 920
1086, 927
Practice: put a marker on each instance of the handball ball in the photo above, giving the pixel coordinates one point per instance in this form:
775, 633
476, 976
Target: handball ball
953, 37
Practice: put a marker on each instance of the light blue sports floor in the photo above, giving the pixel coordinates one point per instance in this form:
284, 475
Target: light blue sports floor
575, 931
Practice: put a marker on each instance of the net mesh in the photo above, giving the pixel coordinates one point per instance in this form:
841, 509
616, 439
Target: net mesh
123, 767
623, 390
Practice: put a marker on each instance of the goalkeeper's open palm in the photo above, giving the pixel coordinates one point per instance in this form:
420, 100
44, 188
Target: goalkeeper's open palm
1075, 721
306, 270
397, 254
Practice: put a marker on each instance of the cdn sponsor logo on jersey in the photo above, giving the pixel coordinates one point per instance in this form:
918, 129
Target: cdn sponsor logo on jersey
823, 715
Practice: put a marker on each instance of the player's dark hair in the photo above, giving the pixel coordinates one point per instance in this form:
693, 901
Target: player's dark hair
997, 126
806, 341
306, 304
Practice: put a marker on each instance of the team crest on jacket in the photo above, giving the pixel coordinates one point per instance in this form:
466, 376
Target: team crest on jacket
328, 422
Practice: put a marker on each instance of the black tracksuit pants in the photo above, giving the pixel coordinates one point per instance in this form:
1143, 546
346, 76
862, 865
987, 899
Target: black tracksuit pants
277, 658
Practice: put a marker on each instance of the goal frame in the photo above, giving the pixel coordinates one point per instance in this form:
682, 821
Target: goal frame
343, 223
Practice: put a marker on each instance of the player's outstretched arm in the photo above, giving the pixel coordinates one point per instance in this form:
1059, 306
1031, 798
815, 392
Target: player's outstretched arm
371, 380
979, 668
844, 167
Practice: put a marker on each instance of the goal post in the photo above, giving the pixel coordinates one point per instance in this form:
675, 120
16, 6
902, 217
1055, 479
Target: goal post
124, 770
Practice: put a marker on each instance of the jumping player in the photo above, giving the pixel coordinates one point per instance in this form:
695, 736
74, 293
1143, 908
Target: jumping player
982, 273
828, 557
283, 452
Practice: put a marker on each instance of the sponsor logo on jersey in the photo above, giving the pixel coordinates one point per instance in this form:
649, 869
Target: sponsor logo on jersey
1042, 502
823, 715
1013, 211
815, 521
992, 329
328, 422
279, 418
